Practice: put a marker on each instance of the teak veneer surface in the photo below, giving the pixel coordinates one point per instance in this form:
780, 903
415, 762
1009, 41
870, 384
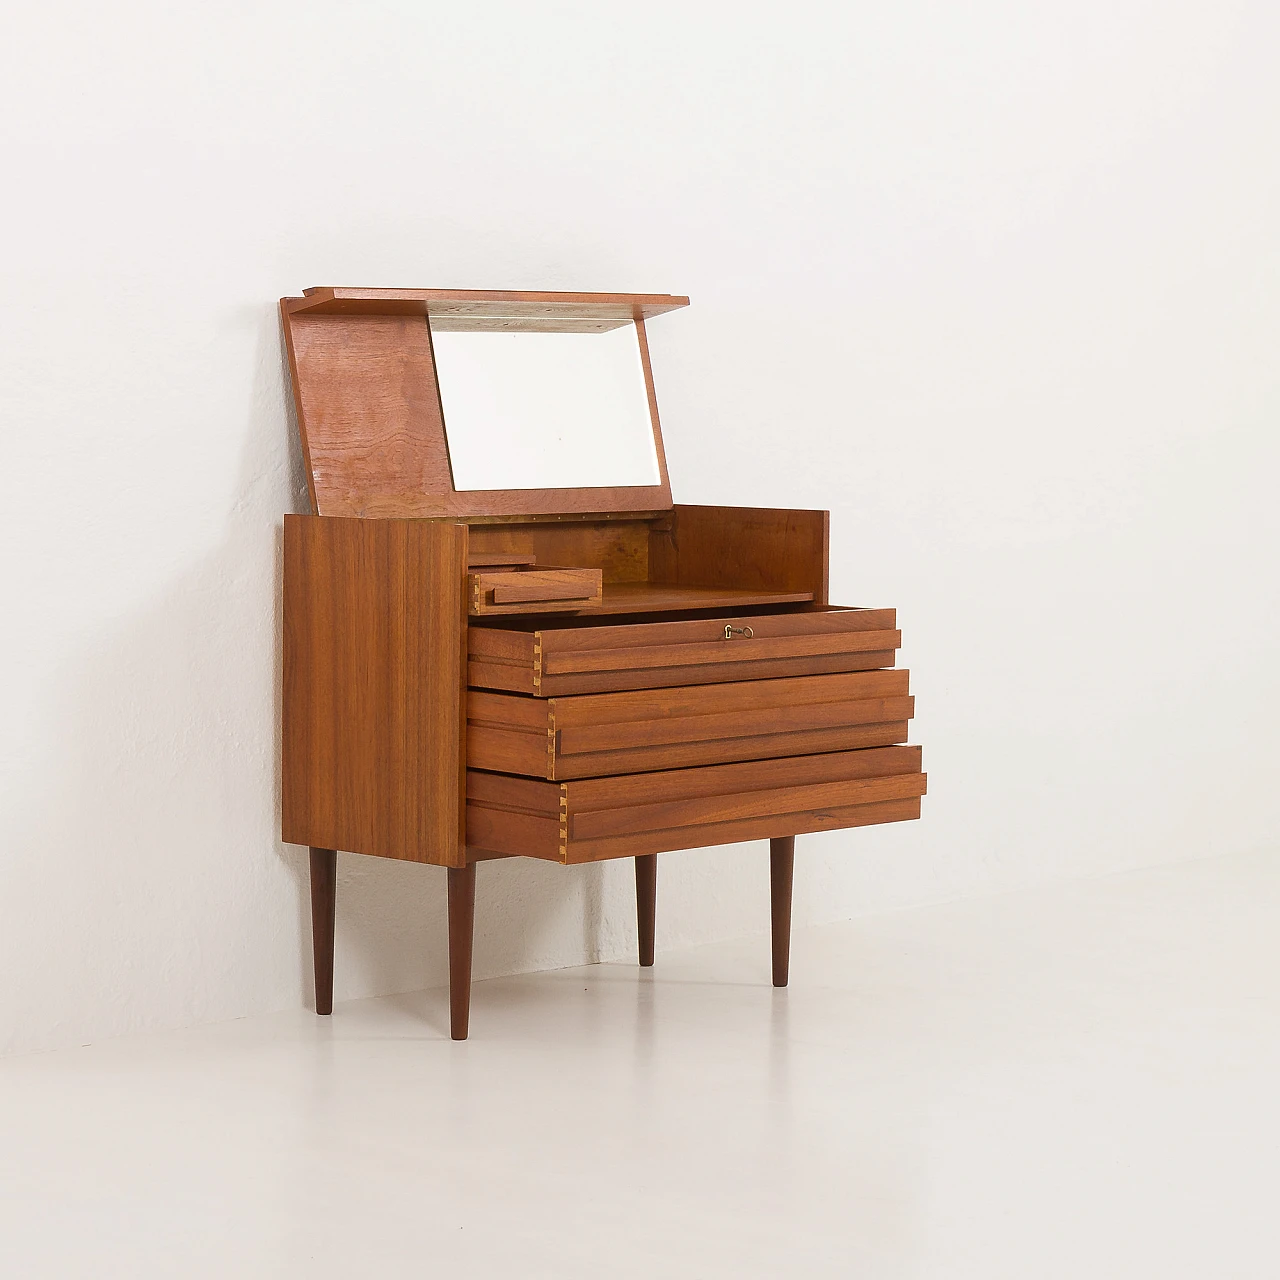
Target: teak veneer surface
609, 714
368, 400
369, 410
618, 548
594, 735
480, 559
548, 659
614, 817
544, 590
688, 558
664, 597
751, 548
474, 309
374, 652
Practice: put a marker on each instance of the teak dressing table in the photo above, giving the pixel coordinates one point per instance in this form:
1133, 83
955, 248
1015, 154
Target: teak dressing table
574, 672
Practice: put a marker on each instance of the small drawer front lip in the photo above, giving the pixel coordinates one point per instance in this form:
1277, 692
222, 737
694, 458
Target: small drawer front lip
599, 818
542, 590
670, 814
729, 725
719, 652
597, 735
562, 660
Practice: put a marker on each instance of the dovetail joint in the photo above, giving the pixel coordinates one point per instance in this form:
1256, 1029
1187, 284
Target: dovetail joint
537, 659
564, 823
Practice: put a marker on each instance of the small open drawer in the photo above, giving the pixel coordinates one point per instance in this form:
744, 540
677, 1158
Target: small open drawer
561, 658
591, 735
534, 590
596, 818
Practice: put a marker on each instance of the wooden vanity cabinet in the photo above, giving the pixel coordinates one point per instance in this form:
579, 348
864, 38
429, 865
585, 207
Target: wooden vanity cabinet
572, 674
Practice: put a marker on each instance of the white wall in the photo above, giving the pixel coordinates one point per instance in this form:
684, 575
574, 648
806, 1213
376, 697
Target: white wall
998, 283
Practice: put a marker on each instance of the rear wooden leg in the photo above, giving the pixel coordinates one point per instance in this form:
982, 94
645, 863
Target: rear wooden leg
462, 916
646, 904
782, 852
324, 884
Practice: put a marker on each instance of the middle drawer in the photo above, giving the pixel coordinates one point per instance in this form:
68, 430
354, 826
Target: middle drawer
594, 735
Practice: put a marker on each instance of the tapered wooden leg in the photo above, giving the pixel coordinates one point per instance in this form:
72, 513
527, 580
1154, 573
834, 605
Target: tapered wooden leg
646, 903
324, 884
462, 916
782, 853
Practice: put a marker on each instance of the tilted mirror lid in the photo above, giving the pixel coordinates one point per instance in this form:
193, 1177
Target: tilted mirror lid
368, 400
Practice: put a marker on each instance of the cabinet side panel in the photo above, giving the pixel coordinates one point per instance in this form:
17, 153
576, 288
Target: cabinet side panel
757, 548
374, 661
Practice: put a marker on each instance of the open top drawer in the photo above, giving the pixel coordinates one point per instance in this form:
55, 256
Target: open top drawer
596, 818
593, 734
547, 659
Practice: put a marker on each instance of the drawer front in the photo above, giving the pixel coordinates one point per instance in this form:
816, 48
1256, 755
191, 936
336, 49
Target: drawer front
595, 659
591, 735
593, 819
534, 590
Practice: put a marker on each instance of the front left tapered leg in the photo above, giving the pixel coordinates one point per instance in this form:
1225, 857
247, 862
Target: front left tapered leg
646, 904
782, 852
324, 895
462, 914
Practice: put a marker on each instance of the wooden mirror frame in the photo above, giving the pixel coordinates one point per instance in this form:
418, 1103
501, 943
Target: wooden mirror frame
368, 401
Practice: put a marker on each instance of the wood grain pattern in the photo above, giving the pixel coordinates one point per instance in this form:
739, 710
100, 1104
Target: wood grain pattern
618, 548
485, 503
662, 597
369, 413
373, 723
671, 730
570, 634
473, 309
368, 400
497, 559
585, 656
543, 590
592, 819
704, 835
722, 651
517, 816
497, 675
734, 780
763, 802
588, 737
549, 585
595, 735
652, 706
765, 746
746, 547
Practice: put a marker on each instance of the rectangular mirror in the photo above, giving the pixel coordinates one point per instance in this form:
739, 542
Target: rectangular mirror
539, 410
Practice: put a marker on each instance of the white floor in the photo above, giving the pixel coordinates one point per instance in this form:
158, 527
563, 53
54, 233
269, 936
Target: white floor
1080, 1081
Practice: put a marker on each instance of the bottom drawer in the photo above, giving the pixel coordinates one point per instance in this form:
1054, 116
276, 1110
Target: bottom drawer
590, 819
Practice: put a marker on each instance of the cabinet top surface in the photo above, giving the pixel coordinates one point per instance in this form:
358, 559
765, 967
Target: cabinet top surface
490, 308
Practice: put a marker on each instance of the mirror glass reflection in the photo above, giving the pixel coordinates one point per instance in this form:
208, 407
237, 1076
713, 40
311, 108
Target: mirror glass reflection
529, 410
